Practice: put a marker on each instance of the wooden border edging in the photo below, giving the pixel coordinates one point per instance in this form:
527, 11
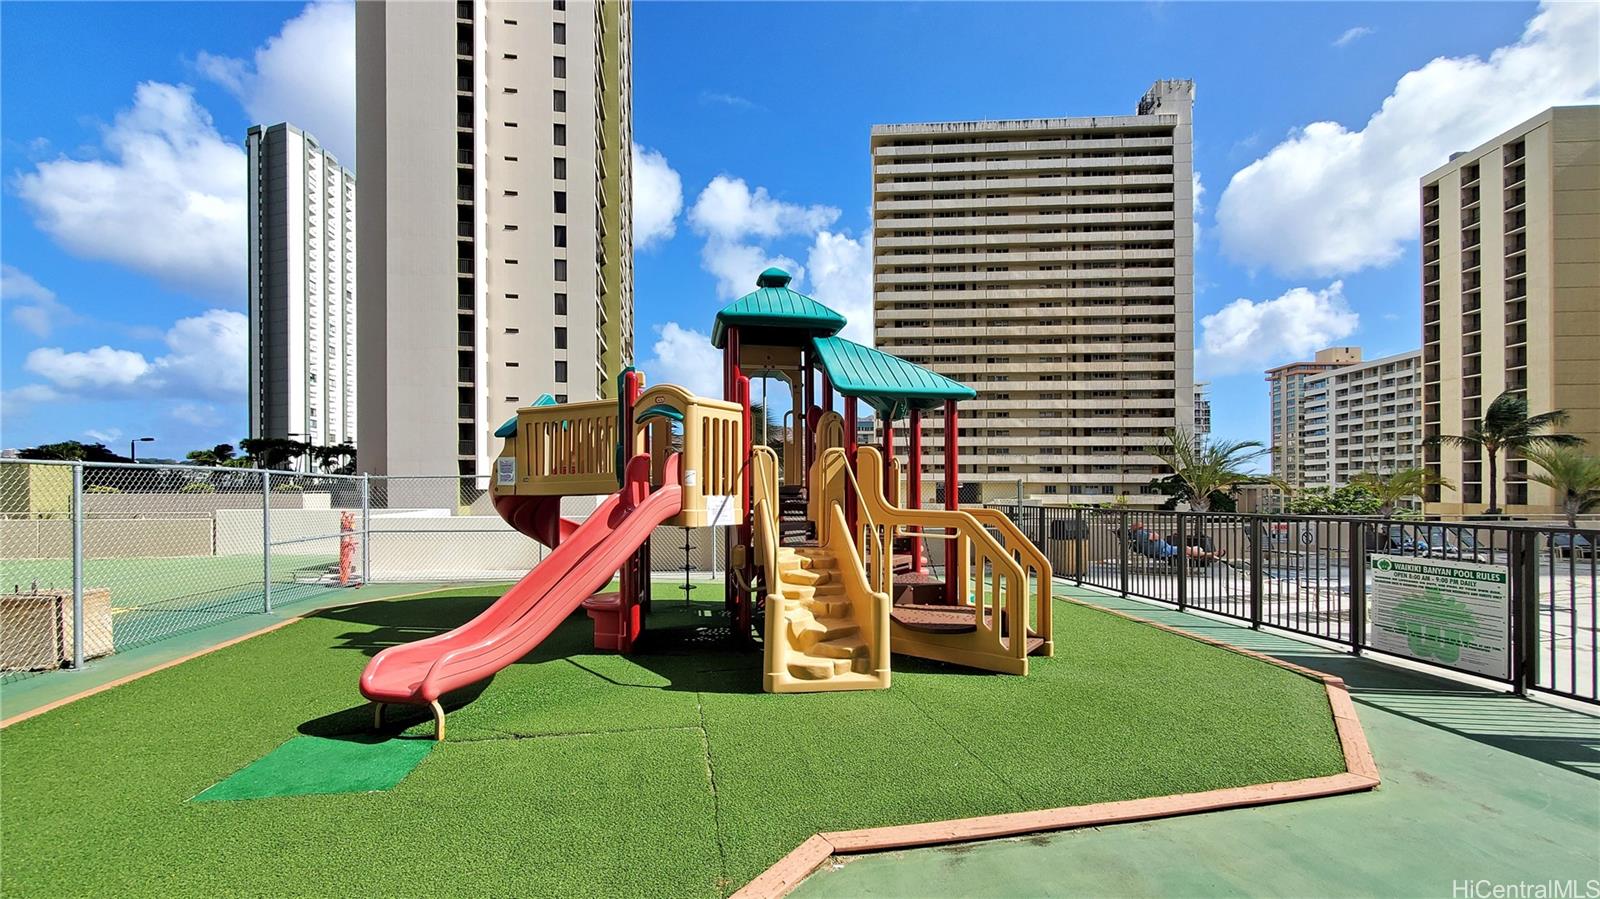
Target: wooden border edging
1361, 774
162, 666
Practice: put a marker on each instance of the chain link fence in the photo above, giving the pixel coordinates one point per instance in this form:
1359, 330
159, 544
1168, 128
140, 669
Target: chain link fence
158, 550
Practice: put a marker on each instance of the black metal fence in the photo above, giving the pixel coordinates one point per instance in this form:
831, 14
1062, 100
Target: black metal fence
1318, 577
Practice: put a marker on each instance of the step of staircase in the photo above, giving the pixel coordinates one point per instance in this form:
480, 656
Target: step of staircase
810, 667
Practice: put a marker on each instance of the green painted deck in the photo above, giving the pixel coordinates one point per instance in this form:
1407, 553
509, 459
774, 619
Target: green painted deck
1477, 786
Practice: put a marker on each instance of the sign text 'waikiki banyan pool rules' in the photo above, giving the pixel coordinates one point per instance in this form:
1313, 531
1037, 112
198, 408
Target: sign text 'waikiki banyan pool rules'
1443, 611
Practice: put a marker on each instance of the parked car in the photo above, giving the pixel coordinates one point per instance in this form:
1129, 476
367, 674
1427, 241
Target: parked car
1563, 545
1453, 542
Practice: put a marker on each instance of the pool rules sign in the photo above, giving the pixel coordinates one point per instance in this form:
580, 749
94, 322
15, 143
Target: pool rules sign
1442, 611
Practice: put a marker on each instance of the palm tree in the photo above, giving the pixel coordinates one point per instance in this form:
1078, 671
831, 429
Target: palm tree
1395, 486
1506, 425
1572, 473
1210, 466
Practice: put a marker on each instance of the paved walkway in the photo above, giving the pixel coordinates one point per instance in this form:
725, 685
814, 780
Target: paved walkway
1478, 787
29, 693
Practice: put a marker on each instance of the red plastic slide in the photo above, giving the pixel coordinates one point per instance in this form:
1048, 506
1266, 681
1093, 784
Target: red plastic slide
421, 672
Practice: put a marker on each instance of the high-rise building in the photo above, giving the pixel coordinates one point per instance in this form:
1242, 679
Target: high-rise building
497, 219
1362, 418
1202, 410
1049, 264
302, 226
1511, 296
1286, 387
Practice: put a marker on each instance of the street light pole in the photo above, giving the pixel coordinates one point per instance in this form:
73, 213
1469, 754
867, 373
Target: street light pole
133, 447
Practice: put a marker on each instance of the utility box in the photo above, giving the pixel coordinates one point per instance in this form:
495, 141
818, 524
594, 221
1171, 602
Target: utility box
36, 628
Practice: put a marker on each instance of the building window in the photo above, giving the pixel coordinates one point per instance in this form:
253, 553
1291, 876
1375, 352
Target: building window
561, 201
561, 304
561, 338
561, 168
512, 364
511, 227
561, 135
561, 269
510, 90
510, 56
561, 397
561, 371
558, 33
561, 235
513, 330
561, 101
561, 67
558, 5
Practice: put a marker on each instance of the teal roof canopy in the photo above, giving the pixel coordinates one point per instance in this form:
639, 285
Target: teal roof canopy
890, 385
776, 314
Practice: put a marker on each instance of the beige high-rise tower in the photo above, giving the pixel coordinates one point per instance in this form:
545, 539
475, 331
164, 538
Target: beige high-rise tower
1048, 263
1511, 297
496, 219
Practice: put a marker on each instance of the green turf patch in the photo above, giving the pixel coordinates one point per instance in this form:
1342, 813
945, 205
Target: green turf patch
576, 772
306, 766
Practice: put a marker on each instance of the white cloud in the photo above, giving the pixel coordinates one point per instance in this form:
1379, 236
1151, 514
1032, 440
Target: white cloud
1351, 35
1246, 335
685, 357
1199, 194
33, 306
201, 415
729, 210
19, 400
657, 198
736, 265
101, 367
1329, 200
717, 98
105, 436
305, 74
206, 357
168, 200
841, 275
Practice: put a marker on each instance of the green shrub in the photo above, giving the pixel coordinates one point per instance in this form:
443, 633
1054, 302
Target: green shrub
287, 488
198, 487
100, 488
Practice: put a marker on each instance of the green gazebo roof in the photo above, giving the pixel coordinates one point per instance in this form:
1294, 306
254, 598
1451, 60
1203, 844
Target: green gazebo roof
888, 384
772, 307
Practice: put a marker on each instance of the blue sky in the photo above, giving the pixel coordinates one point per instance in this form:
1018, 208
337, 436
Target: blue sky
123, 290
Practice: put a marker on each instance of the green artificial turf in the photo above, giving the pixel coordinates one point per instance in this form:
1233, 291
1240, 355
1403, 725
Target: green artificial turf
575, 773
305, 766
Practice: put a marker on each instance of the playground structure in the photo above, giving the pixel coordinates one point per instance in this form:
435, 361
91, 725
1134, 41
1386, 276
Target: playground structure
827, 546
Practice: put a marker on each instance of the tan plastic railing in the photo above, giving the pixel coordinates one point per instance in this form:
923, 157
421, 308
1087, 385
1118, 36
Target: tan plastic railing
712, 456
986, 575
880, 572
567, 449
1035, 566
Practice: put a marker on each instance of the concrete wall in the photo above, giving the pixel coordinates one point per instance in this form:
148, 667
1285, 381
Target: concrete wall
108, 538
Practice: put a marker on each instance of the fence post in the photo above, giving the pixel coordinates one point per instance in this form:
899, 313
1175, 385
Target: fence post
1123, 539
1357, 573
1183, 562
1525, 636
1257, 535
366, 529
266, 541
77, 567
1082, 544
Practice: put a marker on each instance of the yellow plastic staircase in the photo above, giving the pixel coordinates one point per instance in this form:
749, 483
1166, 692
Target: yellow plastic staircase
826, 629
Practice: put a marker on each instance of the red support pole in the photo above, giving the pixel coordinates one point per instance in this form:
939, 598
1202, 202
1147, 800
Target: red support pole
802, 415
914, 484
850, 460
890, 488
951, 500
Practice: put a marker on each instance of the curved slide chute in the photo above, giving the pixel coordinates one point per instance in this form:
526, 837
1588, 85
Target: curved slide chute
419, 673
